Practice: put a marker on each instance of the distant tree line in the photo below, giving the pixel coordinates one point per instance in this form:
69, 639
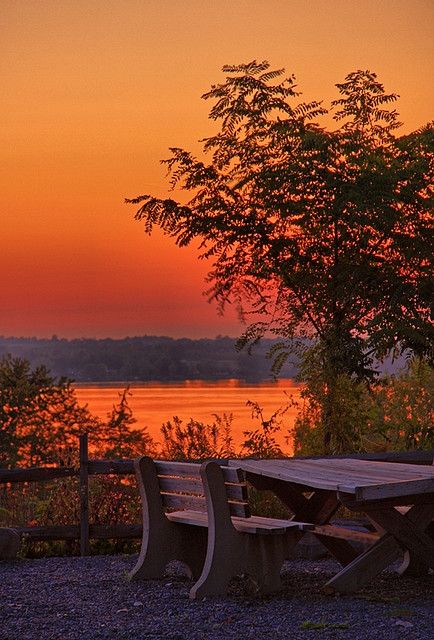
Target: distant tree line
145, 358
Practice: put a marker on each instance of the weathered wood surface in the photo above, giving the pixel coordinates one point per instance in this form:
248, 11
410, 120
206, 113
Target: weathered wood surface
36, 474
345, 533
365, 479
72, 532
410, 457
217, 538
84, 496
255, 546
363, 485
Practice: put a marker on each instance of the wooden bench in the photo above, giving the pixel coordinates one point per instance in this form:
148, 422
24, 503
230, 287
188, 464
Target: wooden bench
199, 515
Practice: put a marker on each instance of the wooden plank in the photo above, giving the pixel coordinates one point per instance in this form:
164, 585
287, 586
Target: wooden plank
296, 476
237, 492
326, 476
84, 496
364, 473
72, 532
195, 518
374, 468
391, 489
344, 533
366, 566
240, 509
169, 484
185, 502
54, 532
254, 525
349, 501
36, 474
233, 475
177, 469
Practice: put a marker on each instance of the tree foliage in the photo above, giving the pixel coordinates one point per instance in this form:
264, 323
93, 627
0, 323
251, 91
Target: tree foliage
120, 439
197, 440
394, 414
41, 418
324, 235
39, 415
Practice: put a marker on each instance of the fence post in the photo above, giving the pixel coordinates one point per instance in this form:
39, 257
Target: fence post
84, 495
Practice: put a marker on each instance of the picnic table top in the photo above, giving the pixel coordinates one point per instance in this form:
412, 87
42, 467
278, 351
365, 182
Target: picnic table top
364, 479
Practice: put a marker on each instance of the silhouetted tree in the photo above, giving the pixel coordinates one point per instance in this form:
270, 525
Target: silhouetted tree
323, 235
119, 439
39, 416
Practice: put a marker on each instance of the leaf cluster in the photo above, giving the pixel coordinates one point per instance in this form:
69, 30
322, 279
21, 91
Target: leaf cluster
316, 233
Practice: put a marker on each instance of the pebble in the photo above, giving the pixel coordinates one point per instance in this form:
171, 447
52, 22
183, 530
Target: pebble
72, 598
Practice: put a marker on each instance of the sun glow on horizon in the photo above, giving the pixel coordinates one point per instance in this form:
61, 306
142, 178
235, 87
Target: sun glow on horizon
94, 94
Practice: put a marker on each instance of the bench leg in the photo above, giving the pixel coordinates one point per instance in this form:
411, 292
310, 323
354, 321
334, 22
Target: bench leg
184, 543
164, 541
259, 556
264, 559
231, 553
220, 563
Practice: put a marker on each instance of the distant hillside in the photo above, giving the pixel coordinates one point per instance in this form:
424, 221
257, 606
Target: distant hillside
145, 358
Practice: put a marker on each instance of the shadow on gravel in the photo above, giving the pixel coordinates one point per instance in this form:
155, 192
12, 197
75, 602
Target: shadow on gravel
308, 581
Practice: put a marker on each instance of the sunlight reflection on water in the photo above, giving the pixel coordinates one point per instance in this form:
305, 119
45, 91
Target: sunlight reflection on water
154, 403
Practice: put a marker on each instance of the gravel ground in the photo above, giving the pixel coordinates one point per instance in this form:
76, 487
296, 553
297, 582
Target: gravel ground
91, 598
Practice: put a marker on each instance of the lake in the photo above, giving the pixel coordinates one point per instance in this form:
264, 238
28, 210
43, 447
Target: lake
154, 403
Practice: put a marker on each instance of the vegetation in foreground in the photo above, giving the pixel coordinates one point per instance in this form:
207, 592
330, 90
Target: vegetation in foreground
40, 419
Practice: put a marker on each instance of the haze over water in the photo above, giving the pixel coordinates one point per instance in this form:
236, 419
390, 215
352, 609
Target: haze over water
154, 403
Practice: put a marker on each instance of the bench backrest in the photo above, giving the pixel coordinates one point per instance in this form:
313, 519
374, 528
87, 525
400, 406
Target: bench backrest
181, 487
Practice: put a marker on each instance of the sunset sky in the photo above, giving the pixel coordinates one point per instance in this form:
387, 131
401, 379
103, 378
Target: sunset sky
93, 94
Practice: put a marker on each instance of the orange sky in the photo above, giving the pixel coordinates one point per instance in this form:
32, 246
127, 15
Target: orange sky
93, 94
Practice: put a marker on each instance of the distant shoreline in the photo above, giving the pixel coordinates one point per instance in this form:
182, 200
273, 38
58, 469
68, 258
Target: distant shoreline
147, 359
225, 382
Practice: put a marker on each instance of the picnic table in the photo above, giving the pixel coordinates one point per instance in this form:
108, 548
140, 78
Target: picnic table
398, 499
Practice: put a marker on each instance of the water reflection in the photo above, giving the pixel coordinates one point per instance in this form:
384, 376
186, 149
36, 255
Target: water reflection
154, 403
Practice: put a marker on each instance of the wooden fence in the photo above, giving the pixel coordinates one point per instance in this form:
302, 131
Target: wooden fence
84, 531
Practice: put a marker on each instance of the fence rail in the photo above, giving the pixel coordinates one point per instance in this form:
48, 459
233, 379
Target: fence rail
84, 531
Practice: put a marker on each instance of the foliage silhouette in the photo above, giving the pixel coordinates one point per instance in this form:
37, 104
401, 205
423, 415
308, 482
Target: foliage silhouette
321, 235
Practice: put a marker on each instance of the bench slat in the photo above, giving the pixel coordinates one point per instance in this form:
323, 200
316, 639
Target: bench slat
177, 469
168, 484
234, 475
179, 501
245, 525
197, 518
255, 524
345, 534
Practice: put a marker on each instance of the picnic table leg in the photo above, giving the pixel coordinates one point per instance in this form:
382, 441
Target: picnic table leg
317, 509
406, 530
365, 567
409, 530
412, 567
